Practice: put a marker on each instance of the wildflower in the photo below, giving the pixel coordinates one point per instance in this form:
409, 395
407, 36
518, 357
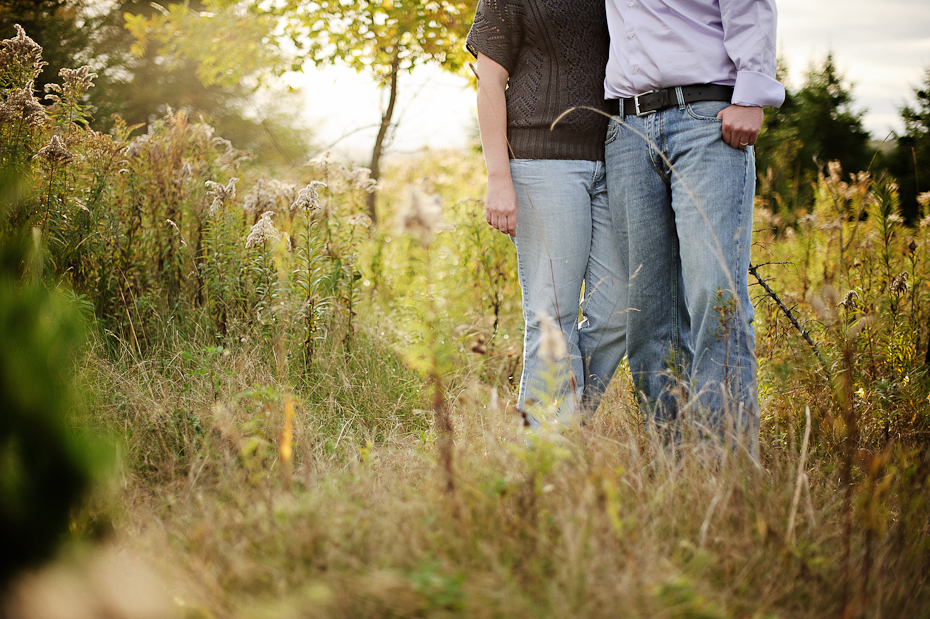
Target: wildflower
21, 57
221, 194
923, 199
284, 193
361, 219
76, 83
325, 165
899, 284
551, 341
138, 146
422, 217
911, 247
264, 231
360, 179
176, 229
55, 153
849, 300
184, 174
308, 199
77, 80
260, 198
21, 105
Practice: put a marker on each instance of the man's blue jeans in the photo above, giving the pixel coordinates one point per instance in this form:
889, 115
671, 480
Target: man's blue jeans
682, 199
565, 238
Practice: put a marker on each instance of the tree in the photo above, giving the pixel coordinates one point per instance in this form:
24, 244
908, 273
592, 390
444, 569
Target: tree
910, 160
142, 86
815, 125
383, 39
828, 128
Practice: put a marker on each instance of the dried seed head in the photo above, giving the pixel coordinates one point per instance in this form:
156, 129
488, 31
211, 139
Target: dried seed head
261, 198
849, 300
923, 199
899, 284
263, 231
54, 153
308, 198
221, 194
20, 59
422, 217
77, 80
551, 341
360, 219
360, 180
326, 165
22, 106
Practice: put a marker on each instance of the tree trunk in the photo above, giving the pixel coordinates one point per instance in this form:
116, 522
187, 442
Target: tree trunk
386, 119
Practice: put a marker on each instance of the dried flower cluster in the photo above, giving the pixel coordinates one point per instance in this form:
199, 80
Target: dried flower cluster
273, 195
54, 153
422, 217
138, 146
923, 199
360, 219
899, 284
849, 300
76, 83
264, 231
308, 199
20, 59
221, 194
360, 179
22, 106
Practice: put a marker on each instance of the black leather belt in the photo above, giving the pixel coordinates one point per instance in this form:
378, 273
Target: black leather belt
655, 100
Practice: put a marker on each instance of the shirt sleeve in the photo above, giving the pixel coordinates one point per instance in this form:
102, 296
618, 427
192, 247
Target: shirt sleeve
497, 32
749, 38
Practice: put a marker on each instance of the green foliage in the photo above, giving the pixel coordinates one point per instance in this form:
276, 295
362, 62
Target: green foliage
289, 380
46, 463
815, 125
910, 160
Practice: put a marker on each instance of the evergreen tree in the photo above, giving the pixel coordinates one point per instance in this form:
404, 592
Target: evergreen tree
910, 160
815, 125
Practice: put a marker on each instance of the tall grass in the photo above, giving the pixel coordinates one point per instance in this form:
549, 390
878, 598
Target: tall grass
286, 380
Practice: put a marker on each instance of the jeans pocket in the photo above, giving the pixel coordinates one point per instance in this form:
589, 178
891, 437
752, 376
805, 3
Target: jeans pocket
706, 110
613, 129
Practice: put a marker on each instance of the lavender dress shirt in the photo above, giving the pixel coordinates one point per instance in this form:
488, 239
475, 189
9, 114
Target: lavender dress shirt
663, 43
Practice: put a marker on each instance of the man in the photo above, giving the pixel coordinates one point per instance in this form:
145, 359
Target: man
688, 80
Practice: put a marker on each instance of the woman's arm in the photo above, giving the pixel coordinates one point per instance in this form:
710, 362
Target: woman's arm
501, 199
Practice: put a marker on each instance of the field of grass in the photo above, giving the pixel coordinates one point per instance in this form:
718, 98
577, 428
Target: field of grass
296, 412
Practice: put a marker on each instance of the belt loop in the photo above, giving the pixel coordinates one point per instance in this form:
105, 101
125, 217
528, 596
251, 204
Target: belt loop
681, 97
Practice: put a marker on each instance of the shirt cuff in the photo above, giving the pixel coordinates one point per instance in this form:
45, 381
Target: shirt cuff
755, 89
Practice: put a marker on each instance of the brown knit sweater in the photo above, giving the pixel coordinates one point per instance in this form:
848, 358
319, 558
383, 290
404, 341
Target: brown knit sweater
555, 52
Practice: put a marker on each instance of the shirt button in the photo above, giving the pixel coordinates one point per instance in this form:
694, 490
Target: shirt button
631, 35
636, 69
632, 4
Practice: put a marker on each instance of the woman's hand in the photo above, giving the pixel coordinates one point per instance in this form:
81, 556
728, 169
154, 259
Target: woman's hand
500, 208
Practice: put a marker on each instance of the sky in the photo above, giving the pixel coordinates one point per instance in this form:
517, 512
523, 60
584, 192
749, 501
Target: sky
881, 46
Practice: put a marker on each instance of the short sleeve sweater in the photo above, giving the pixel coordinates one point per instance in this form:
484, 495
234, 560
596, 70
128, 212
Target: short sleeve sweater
555, 52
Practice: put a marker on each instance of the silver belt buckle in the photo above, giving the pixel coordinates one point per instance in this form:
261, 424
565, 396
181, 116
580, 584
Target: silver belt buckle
636, 103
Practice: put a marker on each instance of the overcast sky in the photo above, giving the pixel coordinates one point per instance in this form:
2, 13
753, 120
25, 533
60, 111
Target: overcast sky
881, 46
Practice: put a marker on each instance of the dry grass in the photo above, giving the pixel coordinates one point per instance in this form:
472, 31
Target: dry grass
597, 521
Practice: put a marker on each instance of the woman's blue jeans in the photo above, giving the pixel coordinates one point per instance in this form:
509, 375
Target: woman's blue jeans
683, 199
565, 240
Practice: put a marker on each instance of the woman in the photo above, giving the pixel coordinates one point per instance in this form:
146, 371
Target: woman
542, 62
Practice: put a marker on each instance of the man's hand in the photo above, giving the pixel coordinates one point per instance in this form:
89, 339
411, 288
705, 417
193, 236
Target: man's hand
501, 205
741, 125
